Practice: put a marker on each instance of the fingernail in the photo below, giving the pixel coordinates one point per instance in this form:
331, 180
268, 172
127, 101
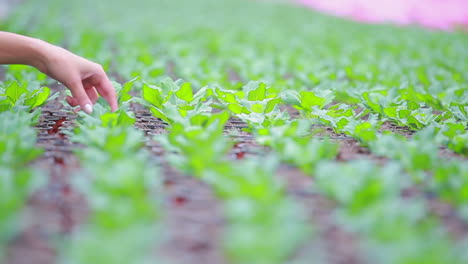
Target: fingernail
88, 108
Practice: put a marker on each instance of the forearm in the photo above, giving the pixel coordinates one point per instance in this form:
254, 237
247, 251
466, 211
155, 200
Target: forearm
17, 49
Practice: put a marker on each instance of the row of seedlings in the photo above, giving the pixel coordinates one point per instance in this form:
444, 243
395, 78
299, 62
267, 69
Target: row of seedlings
19, 111
263, 225
120, 182
376, 192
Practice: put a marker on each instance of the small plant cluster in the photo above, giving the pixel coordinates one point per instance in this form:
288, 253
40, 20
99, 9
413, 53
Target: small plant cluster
120, 182
197, 143
373, 206
295, 144
17, 149
23, 96
263, 224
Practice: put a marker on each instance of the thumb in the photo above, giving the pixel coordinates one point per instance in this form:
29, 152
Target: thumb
81, 97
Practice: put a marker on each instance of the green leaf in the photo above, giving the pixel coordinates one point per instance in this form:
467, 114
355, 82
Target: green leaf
159, 114
126, 88
185, 92
365, 132
226, 96
404, 113
270, 106
38, 98
391, 111
153, 95
236, 108
14, 91
258, 94
374, 106
342, 123
119, 118
257, 108
5, 105
309, 99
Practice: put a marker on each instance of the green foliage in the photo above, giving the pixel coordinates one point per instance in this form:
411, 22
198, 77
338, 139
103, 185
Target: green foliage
456, 137
123, 91
120, 182
263, 225
416, 155
369, 202
199, 146
307, 100
175, 101
362, 184
17, 140
243, 58
23, 96
17, 181
257, 104
121, 194
108, 132
294, 143
24, 72
99, 246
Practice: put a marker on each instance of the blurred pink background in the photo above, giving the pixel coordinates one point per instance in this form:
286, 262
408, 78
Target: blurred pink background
438, 14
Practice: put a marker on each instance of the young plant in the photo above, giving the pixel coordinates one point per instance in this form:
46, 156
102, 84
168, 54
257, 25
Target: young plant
199, 146
124, 205
295, 144
416, 155
306, 101
347, 119
263, 226
120, 184
393, 229
404, 113
25, 96
256, 104
175, 101
455, 137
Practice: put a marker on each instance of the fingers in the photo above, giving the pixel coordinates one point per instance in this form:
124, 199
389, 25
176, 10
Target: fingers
106, 90
85, 92
92, 93
93, 96
104, 87
81, 97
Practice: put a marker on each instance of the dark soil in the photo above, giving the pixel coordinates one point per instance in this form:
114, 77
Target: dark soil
404, 131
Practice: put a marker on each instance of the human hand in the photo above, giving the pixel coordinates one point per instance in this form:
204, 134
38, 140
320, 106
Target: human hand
84, 78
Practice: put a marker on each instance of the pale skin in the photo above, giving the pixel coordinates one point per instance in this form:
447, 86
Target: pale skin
85, 79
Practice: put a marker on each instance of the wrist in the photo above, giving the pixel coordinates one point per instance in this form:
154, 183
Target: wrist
39, 54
